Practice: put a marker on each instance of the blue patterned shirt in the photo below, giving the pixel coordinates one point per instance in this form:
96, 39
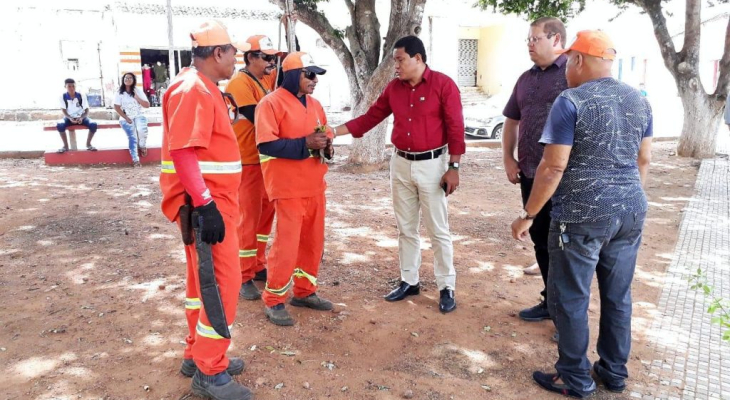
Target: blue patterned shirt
605, 121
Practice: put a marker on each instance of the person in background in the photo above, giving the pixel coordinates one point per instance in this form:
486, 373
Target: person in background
129, 104
75, 109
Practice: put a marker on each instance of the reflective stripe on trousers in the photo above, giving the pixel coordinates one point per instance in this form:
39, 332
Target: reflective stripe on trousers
206, 167
192, 303
208, 331
247, 253
282, 291
299, 273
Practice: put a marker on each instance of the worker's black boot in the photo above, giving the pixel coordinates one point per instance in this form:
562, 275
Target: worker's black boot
219, 387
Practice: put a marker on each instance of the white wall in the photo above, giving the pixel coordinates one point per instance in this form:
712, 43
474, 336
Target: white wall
440, 36
38, 28
43, 38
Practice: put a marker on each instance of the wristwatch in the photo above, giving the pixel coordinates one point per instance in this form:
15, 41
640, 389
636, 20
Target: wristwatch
524, 215
454, 165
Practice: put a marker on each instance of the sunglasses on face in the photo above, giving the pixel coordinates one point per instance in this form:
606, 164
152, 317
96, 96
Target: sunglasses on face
266, 57
309, 75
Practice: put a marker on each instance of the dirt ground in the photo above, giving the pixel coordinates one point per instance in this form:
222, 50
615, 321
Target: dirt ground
92, 278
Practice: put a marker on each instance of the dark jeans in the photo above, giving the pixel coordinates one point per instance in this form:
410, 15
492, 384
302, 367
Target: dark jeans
539, 231
61, 126
609, 248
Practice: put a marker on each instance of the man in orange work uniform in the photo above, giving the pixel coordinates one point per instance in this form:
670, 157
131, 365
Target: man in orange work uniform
290, 132
201, 168
248, 86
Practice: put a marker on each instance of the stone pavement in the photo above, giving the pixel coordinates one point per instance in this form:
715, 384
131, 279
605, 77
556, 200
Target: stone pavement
690, 360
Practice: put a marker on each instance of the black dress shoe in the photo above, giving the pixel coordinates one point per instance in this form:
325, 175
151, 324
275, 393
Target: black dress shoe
615, 386
402, 291
447, 303
549, 382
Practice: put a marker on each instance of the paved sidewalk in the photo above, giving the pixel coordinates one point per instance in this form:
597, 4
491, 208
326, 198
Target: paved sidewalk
691, 361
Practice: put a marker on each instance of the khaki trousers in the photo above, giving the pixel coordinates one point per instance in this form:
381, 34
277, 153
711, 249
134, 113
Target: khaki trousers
416, 190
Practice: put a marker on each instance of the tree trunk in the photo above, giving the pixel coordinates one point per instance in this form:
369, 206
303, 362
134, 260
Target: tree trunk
702, 111
368, 70
370, 149
405, 19
702, 115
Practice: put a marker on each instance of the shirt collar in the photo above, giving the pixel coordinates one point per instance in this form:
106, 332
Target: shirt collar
212, 87
559, 62
426, 73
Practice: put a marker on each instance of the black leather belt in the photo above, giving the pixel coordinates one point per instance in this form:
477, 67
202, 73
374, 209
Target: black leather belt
427, 155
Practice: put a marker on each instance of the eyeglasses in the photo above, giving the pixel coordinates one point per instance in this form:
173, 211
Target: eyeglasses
535, 39
266, 57
309, 75
231, 106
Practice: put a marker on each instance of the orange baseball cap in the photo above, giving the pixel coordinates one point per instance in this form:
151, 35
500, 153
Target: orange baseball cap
593, 43
214, 33
263, 44
301, 60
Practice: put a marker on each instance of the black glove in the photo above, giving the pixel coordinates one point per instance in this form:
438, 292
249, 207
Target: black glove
209, 221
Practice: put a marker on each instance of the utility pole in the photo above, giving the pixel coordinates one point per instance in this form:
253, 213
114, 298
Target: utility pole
101, 74
171, 57
291, 41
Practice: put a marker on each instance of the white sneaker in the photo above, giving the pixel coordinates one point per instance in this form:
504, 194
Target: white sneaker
533, 269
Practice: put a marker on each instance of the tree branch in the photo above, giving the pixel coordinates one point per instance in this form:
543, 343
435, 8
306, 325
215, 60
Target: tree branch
367, 30
666, 45
405, 19
350, 7
692, 22
322, 26
723, 80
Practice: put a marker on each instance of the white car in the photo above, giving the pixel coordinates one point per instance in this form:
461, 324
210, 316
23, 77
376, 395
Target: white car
487, 128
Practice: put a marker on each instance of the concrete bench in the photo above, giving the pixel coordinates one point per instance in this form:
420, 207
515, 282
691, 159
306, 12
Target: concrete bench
101, 157
73, 128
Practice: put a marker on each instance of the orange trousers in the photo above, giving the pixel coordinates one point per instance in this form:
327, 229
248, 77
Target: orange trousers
297, 249
257, 215
204, 345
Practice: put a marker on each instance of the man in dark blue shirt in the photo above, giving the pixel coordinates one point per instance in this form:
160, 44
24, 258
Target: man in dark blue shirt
597, 152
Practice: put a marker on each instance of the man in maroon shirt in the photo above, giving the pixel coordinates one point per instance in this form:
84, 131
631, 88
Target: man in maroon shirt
526, 112
428, 126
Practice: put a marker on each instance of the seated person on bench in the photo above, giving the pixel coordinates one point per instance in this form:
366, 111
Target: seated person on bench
75, 108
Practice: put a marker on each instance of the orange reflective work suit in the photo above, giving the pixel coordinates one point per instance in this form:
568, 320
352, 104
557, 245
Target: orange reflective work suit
195, 115
257, 212
297, 188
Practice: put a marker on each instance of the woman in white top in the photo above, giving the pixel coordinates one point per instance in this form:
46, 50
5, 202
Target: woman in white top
129, 103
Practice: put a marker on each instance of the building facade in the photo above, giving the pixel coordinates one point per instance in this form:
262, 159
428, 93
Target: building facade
96, 41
